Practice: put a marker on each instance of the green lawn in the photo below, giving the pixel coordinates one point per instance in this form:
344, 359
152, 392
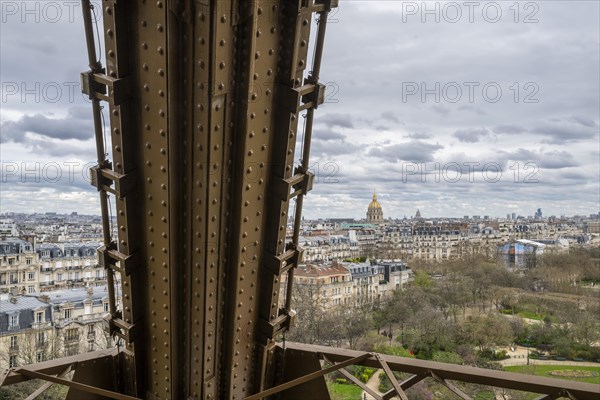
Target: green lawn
340, 391
544, 370
485, 395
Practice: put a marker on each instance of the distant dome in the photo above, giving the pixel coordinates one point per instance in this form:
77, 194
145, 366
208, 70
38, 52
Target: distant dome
374, 203
374, 212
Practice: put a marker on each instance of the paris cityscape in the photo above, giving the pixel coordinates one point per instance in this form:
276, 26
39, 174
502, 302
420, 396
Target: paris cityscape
354, 273
299, 199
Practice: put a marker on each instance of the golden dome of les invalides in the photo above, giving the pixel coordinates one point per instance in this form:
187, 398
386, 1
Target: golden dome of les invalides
374, 212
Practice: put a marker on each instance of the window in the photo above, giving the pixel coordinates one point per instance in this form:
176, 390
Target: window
39, 317
12, 362
71, 335
68, 313
14, 344
59, 277
13, 321
91, 345
31, 276
106, 307
30, 289
11, 261
40, 356
41, 338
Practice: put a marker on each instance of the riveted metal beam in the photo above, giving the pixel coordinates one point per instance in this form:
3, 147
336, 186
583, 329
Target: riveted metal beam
201, 140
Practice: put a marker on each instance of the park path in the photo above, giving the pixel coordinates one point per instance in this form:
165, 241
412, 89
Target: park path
372, 383
519, 357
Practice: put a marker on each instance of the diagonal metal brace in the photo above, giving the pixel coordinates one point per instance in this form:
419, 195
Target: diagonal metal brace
307, 378
356, 381
47, 385
395, 384
80, 386
450, 386
405, 385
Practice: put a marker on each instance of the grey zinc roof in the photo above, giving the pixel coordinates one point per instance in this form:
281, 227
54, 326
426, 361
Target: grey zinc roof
75, 295
23, 303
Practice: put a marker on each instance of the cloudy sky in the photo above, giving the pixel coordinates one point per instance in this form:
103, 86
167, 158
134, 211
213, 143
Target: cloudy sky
455, 108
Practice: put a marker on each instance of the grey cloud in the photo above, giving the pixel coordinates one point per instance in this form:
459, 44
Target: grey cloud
556, 160
77, 125
328, 136
549, 160
322, 149
470, 136
340, 120
590, 123
390, 116
508, 129
560, 133
476, 110
418, 135
440, 109
414, 151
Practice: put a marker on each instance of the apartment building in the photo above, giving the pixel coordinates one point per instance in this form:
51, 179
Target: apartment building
69, 265
19, 266
54, 324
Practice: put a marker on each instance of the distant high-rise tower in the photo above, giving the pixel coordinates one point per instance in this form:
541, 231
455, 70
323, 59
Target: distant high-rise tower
374, 212
538, 214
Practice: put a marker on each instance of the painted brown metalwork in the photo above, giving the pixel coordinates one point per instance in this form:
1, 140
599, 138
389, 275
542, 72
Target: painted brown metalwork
204, 103
442, 373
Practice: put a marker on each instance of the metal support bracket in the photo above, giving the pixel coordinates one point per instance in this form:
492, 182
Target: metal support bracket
98, 180
108, 256
103, 177
98, 85
302, 183
309, 95
120, 328
282, 263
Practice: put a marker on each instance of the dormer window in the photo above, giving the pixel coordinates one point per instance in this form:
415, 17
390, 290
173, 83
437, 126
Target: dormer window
13, 321
40, 317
